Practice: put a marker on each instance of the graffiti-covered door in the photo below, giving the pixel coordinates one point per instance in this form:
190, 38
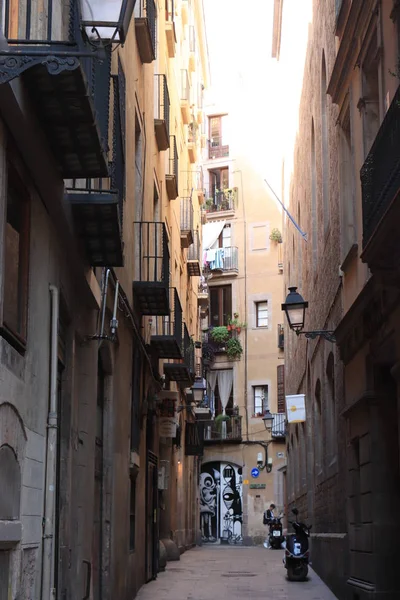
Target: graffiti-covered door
221, 514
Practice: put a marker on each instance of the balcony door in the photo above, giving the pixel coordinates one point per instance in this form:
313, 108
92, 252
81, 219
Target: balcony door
220, 305
219, 180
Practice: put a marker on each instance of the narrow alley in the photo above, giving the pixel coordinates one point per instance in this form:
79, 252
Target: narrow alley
221, 572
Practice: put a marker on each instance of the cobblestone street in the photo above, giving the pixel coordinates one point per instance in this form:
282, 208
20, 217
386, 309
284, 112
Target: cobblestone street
223, 573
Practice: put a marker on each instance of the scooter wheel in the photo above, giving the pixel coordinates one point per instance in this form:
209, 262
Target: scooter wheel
298, 572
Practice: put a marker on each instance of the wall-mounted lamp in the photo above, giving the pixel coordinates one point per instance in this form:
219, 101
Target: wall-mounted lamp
295, 310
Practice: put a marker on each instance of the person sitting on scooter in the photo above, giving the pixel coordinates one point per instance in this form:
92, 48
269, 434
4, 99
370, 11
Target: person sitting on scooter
269, 514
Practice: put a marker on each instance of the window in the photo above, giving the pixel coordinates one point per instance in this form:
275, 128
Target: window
281, 388
220, 305
260, 399
132, 514
135, 401
347, 191
218, 130
15, 303
262, 314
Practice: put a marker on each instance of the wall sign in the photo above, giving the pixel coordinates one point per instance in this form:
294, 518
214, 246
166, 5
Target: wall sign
255, 472
258, 486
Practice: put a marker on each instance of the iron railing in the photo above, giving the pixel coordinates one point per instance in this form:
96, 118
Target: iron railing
188, 350
194, 249
161, 100
228, 430
173, 158
55, 28
278, 425
185, 86
152, 253
281, 336
171, 325
380, 173
186, 214
146, 9
220, 200
226, 259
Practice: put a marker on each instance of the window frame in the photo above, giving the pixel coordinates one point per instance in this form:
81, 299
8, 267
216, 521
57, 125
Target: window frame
222, 317
264, 404
18, 339
257, 314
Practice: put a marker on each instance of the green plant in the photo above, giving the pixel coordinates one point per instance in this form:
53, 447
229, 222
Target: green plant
234, 348
276, 236
219, 419
220, 334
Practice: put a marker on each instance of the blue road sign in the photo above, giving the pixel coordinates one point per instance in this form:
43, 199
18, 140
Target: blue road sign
255, 472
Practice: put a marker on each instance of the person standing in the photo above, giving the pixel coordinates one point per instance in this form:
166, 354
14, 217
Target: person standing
268, 516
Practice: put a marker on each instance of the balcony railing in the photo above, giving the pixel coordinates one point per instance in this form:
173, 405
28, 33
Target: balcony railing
48, 51
223, 260
223, 431
279, 425
186, 222
183, 371
166, 339
161, 111
170, 27
152, 266
146, 27
185, 96
221, 200
172, 176
380, 174
216, 149
193, 258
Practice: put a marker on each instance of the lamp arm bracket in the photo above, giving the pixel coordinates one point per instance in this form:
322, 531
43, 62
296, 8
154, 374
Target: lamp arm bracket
328, 335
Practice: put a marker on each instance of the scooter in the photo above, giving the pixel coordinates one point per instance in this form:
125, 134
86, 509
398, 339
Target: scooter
275, 533
296, 551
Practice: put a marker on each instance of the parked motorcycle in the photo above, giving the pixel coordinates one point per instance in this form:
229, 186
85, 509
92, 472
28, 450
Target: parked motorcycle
275, 533
296, 551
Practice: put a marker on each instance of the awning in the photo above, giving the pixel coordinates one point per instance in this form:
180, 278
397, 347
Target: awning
211, 232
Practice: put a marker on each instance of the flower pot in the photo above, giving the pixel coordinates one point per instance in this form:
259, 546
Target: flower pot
239, 329
229, 327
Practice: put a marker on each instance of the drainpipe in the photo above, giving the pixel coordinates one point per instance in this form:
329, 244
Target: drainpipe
48, 591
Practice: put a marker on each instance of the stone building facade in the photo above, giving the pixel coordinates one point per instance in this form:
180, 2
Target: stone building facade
343, 467
100, 217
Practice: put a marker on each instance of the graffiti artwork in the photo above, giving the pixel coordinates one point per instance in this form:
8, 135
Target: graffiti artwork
221, 513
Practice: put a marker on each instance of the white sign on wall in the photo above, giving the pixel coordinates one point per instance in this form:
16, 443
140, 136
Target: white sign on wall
296, 408
167, 427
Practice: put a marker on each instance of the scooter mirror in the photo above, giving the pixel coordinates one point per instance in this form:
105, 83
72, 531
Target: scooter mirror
295, 511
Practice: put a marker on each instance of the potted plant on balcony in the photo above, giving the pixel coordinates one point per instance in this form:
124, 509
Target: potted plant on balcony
276, 236
234, 324
220, 335
234, 348
219, 419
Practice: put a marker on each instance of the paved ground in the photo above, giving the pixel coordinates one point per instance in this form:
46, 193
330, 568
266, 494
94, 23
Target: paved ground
227, 573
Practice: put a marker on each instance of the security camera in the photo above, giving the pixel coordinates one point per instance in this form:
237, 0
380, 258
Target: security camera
259, 460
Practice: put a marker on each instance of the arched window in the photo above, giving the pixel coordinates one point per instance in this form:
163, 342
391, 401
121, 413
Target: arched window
318, 433
314, 238
325, 145
330, 412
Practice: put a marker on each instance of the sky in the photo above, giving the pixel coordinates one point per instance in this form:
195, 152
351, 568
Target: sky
260, 93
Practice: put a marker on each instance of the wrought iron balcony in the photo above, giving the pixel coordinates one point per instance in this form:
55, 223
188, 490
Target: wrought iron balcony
185, 96
279, 425
186, 222
193, 258
202, 295
146, 29
170, 27
161, 111
152, 266
217, 149
281, 337
67, 84
171, 178
221, 200
166, 340
217, 431
184, 371
223, 260
380, 182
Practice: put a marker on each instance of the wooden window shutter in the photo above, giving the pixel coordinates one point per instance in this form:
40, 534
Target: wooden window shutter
281, 388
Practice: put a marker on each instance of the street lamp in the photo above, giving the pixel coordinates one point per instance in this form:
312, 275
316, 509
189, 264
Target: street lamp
198, 389
295, 309
268, 420
106, 20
